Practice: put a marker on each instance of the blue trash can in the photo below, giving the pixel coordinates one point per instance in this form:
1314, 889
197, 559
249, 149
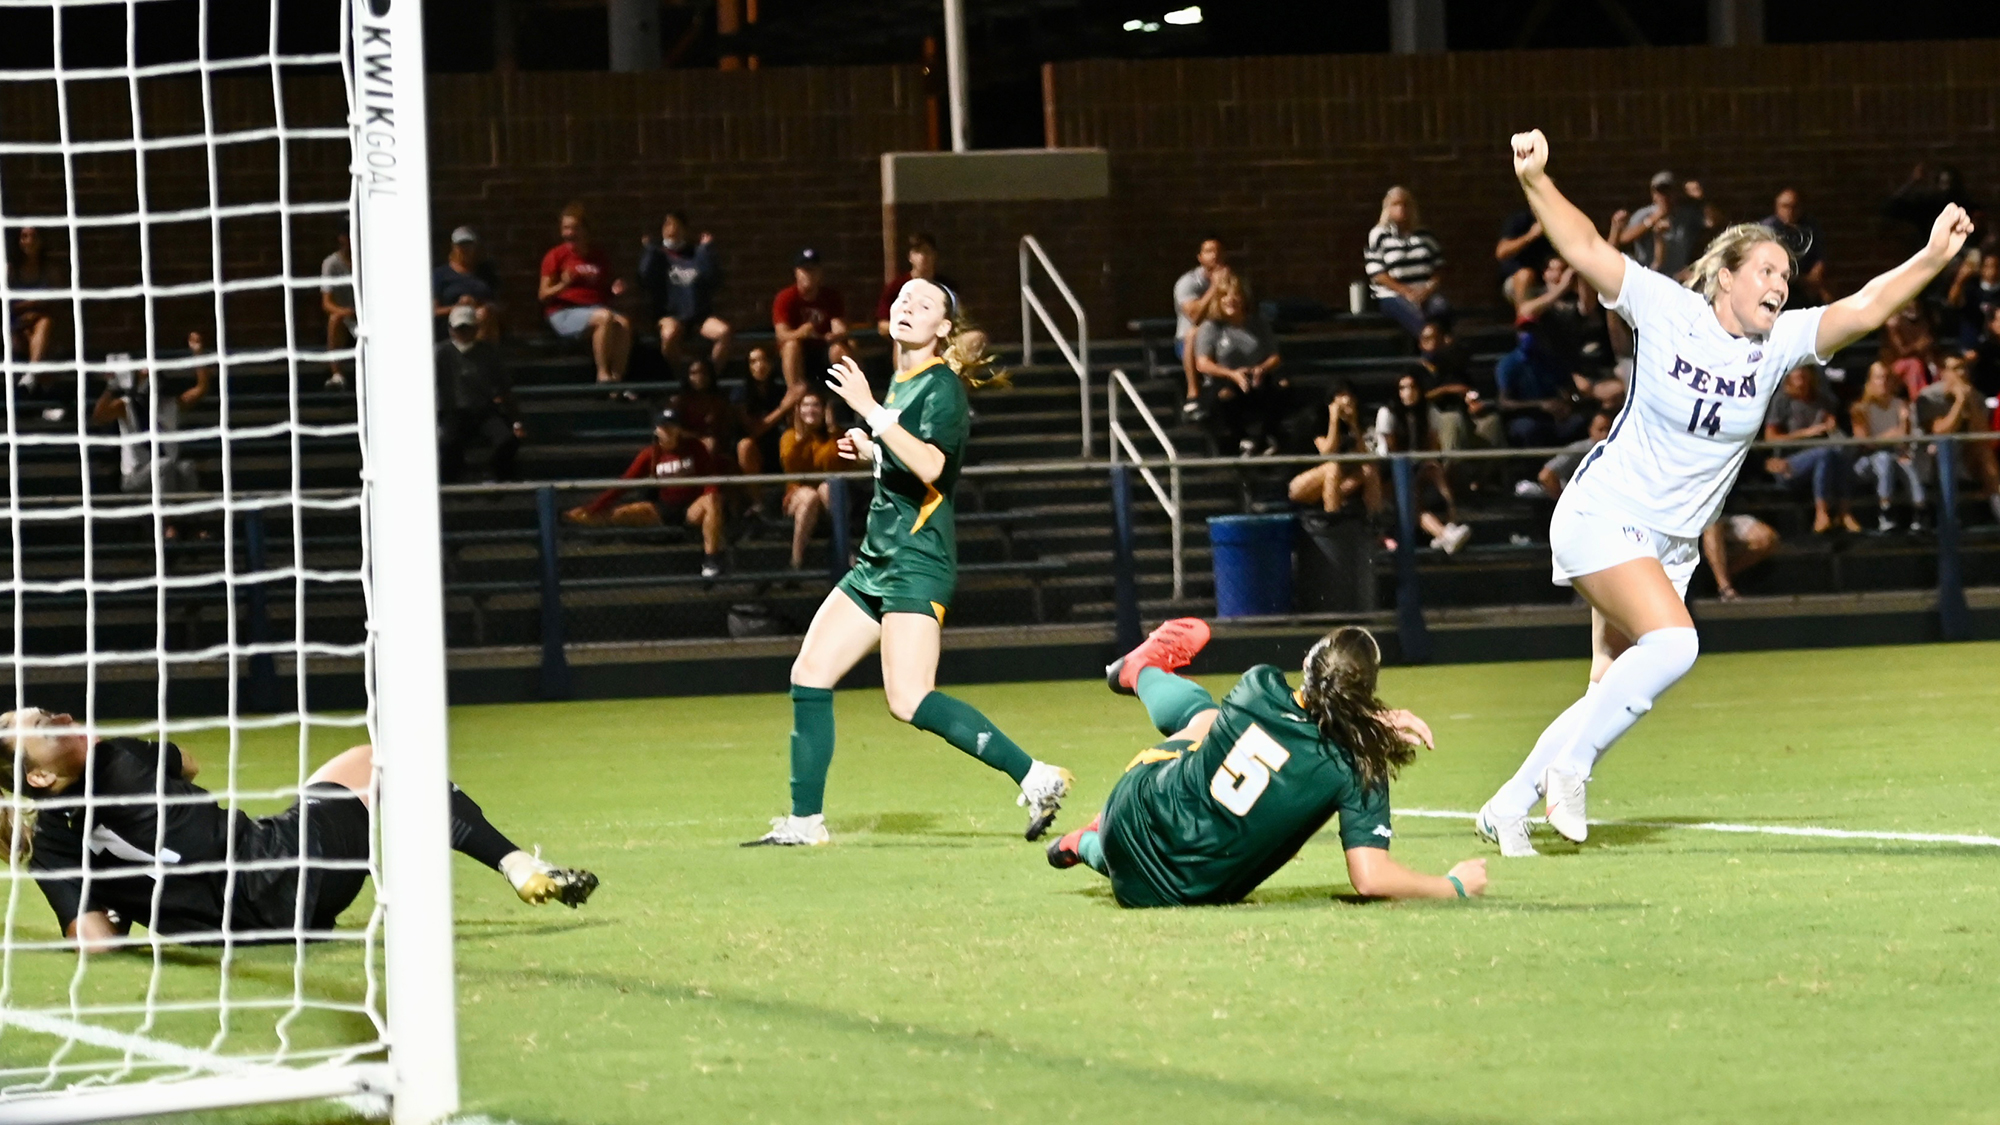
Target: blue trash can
1253, 564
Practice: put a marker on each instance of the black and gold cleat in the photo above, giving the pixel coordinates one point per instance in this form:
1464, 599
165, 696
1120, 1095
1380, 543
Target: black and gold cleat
571, 886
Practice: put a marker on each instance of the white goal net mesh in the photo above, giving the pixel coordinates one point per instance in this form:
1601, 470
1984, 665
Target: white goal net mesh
189, 557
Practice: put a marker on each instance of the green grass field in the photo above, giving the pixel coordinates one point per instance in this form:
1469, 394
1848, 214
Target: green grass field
930, 967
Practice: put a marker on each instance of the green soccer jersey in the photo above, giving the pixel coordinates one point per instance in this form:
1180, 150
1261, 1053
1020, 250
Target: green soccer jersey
910, 535
1210, 825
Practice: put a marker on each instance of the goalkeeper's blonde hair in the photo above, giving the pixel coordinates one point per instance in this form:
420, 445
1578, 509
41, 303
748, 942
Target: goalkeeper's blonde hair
17, 813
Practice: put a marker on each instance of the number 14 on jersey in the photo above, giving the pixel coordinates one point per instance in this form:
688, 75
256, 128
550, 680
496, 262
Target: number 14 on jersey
1707, 416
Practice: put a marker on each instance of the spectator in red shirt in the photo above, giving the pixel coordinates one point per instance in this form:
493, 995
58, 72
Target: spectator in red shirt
810, 320
707, 413
673, 453
923, 263
576, 293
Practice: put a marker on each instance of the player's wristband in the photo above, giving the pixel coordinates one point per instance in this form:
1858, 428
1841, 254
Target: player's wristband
1456, 885
881, 418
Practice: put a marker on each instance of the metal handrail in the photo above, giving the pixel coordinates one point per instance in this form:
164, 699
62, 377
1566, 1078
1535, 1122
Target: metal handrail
1079, 357
1170, 497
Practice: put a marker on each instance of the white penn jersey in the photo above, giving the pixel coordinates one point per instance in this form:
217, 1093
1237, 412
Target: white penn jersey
1697, 400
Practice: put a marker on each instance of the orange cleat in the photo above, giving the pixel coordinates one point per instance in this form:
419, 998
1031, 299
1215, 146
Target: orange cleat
1173, 645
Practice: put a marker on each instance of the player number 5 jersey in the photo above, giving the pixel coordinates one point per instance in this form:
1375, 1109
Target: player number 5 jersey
1697, 399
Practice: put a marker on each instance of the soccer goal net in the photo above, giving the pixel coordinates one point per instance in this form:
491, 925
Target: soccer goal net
223, 537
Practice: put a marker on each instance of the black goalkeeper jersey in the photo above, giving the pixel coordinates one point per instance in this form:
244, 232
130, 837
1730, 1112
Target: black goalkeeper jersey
101, 858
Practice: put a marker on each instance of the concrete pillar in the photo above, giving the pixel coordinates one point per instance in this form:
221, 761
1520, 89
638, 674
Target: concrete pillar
635, 35
1735, 23
1416, 26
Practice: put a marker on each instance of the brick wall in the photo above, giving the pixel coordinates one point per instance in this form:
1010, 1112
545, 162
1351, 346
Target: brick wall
1287, 158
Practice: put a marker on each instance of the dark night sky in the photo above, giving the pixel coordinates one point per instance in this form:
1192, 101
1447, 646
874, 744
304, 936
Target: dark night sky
1009, 38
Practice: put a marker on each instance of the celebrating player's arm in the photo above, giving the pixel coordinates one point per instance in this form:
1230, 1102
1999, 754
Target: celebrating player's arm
1870, 307
1569, 230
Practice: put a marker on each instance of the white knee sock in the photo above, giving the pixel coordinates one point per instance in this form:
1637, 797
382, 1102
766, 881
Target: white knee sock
1634, 680
1525, 788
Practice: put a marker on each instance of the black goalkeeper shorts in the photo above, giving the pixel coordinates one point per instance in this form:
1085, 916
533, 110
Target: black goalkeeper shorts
333, 823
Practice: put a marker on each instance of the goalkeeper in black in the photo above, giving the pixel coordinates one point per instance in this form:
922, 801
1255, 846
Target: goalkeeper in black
1239, 787
117, 832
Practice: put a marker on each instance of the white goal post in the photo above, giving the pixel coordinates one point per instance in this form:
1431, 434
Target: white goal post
91, 1036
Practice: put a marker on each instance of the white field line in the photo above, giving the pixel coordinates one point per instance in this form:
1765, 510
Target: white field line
1756, 829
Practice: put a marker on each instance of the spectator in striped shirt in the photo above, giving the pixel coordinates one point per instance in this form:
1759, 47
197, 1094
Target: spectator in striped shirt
1402, 263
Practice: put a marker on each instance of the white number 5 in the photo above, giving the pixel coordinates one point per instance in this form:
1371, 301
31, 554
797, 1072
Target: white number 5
1246, 772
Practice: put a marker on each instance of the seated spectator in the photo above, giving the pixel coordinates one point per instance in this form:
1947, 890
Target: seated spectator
810, 320
1808, 248
764, 406
475, 399
336, 300
29, 321
467, 278
1665, 234
1465, 419
1952, 405
1333, 485
1878, 413
1802, 410
1985, 357
1734, 544
1569, 327
1404, 426
681, 275
1191, 307
809, 445
1919, 200
1522, 252
1238, 357
1974, 295
1556, 471
1537, 397
576, 292
706, 413
1910, 348
673, 453
1402, 263
922, 258
143, 412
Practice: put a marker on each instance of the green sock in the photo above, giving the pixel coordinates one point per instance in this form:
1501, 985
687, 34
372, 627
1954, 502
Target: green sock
812, 748
1171, 701
961, 724
1091, 848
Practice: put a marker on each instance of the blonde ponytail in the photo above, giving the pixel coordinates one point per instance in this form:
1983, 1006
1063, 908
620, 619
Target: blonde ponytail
1729, 250
965, 352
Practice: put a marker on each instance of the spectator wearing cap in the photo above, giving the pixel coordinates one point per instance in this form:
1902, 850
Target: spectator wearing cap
576, 291
336, 300
1664, 235
681, 274
467, 278
922, 264
672, 453
1402, 261
1807, 245
475, 400
810, 320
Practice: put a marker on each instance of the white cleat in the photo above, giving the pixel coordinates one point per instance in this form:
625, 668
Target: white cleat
1563, 797
1510, 832
793, 832
1042, 792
